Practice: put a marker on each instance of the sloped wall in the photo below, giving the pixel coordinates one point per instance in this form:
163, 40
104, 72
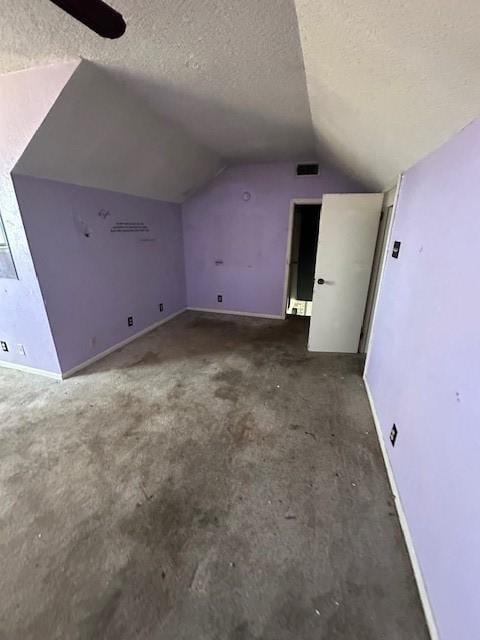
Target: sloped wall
76, 126
100, 135
424, 374
27, 97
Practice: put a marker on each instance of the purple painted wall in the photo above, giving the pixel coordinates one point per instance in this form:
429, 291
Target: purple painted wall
26, 98
248, 236
424, 374
91, 285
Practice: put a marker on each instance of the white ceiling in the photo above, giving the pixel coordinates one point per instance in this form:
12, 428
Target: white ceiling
388, 80
230, 72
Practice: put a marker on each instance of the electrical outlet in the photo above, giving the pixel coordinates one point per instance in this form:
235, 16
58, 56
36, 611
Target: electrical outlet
219, 298
4, 346
130, 321
160, 306
393, 435
396, 249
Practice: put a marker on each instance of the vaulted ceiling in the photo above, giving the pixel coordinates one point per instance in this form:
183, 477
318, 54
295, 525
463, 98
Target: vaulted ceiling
229, 71
389, 80
369, 85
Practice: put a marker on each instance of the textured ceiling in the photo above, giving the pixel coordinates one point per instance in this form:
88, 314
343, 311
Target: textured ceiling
231, 73
389, 80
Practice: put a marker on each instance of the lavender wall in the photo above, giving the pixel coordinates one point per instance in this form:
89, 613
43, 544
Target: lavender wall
92, 284
424, 374
250, 237
26, 98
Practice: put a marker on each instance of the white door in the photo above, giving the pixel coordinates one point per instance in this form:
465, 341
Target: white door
346, 244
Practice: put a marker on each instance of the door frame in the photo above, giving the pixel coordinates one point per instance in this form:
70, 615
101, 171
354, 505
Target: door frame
288, 256
381, 270
380, 248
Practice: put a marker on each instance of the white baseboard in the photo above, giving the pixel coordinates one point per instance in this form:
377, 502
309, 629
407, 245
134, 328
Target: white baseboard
237, 313
25, 369
119, 345
422, 590
103, 354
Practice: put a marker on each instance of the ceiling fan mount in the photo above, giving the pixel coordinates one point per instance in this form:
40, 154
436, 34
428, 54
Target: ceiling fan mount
96, 15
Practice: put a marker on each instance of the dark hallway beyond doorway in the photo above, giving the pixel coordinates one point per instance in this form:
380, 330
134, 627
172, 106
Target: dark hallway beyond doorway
309, 215
306, 220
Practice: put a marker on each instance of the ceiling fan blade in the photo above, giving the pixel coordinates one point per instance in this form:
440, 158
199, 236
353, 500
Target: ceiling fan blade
95, 14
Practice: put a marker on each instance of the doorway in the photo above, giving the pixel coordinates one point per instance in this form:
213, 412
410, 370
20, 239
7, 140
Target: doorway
301, 275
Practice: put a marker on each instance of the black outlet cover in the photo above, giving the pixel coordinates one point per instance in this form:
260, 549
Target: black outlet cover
396, 249
130, 321
393, 435
4, 346
160, 306
219, 298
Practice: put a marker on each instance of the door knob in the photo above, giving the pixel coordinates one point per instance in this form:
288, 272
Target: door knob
321, 281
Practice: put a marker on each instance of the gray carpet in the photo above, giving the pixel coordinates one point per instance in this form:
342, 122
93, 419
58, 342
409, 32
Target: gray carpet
210, 481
